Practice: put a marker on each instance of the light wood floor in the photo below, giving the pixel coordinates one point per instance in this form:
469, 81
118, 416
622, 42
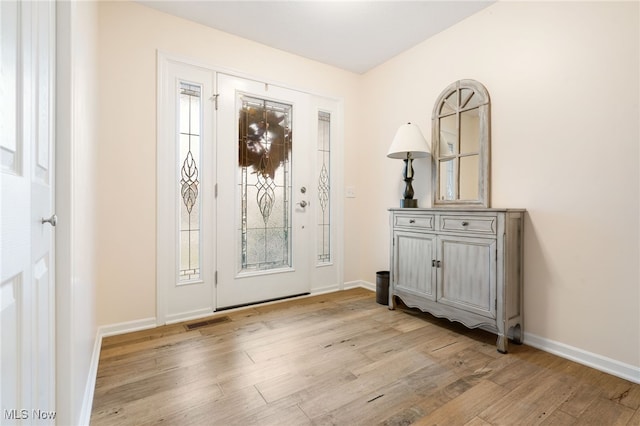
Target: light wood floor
343, 359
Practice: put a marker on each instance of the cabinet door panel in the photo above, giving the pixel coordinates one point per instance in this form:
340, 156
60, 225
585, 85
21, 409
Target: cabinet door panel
414, 254
467, 274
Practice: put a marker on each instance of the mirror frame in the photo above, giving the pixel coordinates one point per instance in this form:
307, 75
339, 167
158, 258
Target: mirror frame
484, 148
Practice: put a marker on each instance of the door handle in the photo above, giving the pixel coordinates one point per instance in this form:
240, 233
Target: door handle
53, 220
303, 204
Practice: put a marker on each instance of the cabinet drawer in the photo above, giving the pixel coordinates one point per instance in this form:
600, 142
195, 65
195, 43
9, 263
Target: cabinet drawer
414, 221
471, 224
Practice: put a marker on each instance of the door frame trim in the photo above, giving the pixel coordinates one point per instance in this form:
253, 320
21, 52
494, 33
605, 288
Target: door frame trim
163, 57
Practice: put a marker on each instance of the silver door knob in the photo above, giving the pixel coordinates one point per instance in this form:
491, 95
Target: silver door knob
303, 204
53, 220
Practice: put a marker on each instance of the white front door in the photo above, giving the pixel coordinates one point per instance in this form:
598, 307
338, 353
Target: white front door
264, 146
27, 291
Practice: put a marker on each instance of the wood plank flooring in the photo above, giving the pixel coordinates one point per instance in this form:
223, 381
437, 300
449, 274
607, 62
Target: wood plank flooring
343, 359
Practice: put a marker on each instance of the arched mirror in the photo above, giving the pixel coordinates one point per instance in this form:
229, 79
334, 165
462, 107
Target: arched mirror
460, 145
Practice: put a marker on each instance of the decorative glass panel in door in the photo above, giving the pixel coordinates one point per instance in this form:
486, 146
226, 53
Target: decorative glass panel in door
264, 148
324, 188
189, 117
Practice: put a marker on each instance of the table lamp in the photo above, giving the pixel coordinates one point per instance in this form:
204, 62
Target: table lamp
408, 144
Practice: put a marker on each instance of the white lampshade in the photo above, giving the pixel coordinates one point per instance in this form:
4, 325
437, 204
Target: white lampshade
409, 140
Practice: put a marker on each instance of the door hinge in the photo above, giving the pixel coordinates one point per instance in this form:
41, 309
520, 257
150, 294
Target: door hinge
215, 278
216, 190
214, 98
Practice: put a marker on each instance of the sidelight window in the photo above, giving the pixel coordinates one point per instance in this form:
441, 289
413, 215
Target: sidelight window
324, 188
189, 148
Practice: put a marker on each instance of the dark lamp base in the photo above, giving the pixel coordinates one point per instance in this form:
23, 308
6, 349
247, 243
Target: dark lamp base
408, 203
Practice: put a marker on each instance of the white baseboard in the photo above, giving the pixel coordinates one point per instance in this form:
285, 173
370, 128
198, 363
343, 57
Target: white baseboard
104, 331
324, 290
359, 283
188, 316
126, 327
87, 401
146, 323
599, 362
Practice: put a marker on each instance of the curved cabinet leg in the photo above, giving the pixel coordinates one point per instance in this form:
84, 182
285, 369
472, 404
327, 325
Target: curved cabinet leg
517, 334
392, 302
502, 343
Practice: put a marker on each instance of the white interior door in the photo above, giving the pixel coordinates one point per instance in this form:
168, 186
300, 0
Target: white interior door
264, 147
27, 286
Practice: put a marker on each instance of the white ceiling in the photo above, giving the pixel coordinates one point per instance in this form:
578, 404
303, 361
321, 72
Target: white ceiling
352, 35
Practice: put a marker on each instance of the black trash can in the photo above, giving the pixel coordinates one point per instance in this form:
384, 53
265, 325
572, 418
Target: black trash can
382, 287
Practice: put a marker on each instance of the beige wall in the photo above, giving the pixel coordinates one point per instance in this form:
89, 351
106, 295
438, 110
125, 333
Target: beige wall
563, 80
130, 35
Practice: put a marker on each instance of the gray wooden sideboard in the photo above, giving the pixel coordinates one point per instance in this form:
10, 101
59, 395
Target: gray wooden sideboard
461, 264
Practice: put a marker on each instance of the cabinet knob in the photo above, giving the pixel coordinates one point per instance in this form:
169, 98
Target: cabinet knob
412, 221
465, 223
433, 263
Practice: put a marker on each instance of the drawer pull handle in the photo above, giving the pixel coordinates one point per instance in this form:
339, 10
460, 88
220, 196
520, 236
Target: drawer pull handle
412, 221
465, 223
